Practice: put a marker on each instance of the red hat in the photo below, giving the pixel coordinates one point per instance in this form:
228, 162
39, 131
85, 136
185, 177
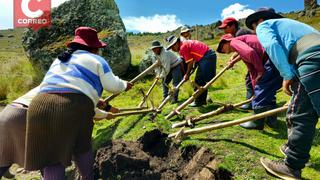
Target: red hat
226, 21
224, 38
87, 36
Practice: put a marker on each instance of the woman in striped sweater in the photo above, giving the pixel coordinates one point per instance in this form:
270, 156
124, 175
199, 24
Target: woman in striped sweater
59, 119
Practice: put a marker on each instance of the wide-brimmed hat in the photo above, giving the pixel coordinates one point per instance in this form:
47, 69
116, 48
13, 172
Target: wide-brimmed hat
155, 44
223, 39
87, 36
226, 21
185, 29
262, 13
171, 40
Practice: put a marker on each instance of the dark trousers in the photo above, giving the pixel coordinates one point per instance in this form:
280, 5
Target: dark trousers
301, 122
266, 88
302, 115
249, 87
205, 72
176, 76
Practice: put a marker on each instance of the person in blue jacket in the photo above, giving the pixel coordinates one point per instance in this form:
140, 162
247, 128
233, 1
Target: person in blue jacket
294, 48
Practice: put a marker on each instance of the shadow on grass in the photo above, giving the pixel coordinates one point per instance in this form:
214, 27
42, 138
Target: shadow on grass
239, 143
129, 128
281, 131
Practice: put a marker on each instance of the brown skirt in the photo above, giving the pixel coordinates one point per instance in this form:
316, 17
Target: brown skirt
58, 126
12, 135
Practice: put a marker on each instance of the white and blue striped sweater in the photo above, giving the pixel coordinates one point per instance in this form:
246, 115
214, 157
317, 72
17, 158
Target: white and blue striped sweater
85, 73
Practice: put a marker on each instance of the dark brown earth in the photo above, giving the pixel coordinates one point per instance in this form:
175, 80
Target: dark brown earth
154, 157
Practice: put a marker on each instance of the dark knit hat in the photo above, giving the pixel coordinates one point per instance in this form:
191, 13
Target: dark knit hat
262, 13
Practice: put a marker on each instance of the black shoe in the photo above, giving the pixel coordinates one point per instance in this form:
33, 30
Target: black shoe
257, 124
246, 107
283, 148
174, 101
8, 175
194, 104
280, 169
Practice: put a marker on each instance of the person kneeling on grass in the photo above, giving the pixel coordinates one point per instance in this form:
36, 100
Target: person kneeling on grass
13, 132
171, 69
196, 53
265, 78
294, 48
59, 118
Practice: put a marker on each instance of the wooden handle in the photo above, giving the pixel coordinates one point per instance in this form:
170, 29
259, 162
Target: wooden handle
218, 111
141, 75
134, 112
197, 93
145, 97
229, 123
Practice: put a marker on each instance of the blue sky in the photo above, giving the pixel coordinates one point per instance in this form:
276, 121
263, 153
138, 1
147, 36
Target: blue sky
163, 15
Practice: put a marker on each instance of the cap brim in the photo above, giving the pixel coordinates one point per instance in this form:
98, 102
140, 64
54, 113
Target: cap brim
220, 46
171, 44
261, 15
155, 47
79, 40
222, 26
185, 31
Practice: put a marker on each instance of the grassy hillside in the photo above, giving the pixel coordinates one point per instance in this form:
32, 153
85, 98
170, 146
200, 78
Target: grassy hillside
237, 149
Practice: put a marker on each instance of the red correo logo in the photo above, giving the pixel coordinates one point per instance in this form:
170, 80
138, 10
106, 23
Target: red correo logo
32, 13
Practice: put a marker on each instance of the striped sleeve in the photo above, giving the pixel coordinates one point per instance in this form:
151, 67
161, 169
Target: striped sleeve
109, 81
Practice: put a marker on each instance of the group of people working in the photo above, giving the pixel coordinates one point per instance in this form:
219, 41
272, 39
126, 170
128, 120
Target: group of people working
52, 124
278, 52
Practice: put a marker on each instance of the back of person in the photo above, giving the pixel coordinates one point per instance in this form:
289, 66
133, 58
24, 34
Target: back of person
193, 49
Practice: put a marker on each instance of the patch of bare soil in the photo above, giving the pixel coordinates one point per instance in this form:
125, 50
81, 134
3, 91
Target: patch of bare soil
153, 156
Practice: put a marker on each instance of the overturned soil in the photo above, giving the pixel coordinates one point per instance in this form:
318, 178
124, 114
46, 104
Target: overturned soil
153, 156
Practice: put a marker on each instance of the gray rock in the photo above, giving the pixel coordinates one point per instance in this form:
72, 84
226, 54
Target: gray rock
148, 59
43, 46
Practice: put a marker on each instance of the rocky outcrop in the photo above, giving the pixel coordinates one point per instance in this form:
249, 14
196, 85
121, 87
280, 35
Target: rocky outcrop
147, 60
310, 4
43, 46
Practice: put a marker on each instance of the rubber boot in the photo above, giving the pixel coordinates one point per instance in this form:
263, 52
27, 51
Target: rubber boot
257, 124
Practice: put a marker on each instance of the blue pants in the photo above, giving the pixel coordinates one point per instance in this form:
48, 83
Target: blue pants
205, 72
176, 76
249, 87
266, 88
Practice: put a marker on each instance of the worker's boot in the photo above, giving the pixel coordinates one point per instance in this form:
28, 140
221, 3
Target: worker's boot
257, 124
271, 121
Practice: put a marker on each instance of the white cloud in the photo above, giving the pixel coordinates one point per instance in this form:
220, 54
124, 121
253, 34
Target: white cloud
237, 11
153, 24
56, 3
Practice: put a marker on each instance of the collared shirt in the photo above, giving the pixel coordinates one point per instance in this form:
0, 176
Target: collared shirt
251, 52
183, 38
168, 60
85, 73
278, 36
193, 50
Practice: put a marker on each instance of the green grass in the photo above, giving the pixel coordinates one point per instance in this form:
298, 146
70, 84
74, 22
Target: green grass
237, 149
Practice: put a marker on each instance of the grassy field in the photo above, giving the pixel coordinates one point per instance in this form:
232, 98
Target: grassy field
237, 149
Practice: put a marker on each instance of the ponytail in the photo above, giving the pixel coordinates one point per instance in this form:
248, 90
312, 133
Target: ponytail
66, 55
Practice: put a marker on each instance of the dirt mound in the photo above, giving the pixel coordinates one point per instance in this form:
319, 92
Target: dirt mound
153, 156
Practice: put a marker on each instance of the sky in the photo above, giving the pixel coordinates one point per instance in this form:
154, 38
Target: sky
167, 15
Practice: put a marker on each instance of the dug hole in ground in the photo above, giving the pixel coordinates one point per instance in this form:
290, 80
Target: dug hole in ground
154, 156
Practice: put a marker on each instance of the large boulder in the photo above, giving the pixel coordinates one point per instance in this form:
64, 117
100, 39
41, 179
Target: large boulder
43, 46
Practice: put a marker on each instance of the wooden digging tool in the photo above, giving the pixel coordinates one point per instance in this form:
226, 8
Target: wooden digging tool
134, 80
183, 133
145, 111
145, 97
196, 94
167, 99
227, 107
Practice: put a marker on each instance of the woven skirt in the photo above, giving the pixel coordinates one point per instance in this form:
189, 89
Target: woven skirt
58, 126
12, 135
